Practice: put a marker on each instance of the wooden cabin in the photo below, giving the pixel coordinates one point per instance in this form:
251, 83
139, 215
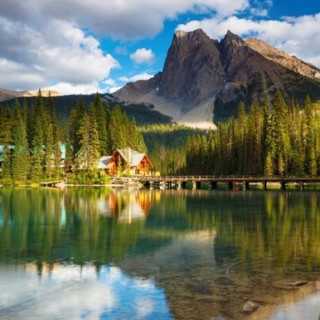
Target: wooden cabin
122, 160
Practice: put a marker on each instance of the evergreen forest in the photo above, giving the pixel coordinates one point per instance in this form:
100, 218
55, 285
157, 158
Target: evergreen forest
34, 139
273, 138
270, 137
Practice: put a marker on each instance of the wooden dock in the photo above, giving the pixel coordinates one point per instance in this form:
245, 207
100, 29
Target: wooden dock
57, 183
231, 181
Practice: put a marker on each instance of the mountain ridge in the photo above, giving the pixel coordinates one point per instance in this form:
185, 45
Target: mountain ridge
202, 75
11, 94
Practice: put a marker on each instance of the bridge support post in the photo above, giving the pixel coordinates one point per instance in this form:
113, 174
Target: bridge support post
301, 186
194, 185
265, 185
213, 185
230, 185
246, 185
178, 184
283, 185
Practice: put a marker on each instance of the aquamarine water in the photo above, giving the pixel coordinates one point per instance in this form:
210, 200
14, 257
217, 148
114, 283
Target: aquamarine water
94, 253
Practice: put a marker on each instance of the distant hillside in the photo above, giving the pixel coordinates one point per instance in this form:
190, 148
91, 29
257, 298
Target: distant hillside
142, 113
11, 94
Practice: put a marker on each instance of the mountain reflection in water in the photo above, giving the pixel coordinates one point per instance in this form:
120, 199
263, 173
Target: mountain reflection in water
201, 254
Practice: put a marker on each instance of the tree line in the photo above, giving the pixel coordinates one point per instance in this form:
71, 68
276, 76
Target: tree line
274, 138
33, 138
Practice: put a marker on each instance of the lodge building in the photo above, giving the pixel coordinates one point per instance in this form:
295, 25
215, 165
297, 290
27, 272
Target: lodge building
134, 162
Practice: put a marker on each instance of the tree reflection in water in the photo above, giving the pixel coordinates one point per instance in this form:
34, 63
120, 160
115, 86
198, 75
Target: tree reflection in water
210, 251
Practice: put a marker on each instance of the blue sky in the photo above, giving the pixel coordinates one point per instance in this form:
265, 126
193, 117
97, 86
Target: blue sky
86, 46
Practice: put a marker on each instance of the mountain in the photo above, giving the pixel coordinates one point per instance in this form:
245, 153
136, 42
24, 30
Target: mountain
204, 79
12, 94
291, 62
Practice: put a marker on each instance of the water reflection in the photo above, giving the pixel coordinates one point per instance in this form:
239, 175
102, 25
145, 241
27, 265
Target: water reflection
74, 292
210, 252
127, 206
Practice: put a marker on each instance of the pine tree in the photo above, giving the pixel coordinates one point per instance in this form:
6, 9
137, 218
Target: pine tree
94, 141
38, 153
5, 125
49, 152
76, 115
240, 138
117, 129
88, 155
101, 119
6, 167
281, 132
20, 164
210, 154
311, 163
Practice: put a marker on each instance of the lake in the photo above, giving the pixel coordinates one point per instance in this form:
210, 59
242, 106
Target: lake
94, 253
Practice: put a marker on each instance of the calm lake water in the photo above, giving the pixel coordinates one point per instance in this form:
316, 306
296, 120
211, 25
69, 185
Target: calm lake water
86, 253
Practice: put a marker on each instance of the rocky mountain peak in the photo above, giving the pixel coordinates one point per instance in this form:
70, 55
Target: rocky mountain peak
283, 58
202, 77
188, 54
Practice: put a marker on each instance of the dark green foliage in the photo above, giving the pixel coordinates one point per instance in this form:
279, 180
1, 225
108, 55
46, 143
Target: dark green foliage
88, 177
88, 154
37, 157
5, 125
224, 111
49, 152
142, 113
269, 137
123, 132
20, 164
101, 114
276, 138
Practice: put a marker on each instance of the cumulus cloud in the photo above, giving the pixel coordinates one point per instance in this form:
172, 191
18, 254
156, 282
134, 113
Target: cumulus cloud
126, 20
136, 77
56, 43
64, 88
140, 76
114, 89
142, 55
58, 52
298, 36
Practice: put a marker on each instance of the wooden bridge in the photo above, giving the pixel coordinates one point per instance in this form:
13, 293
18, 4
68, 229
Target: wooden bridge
231, 181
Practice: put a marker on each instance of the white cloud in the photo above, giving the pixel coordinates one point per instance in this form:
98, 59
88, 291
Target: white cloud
142, 55
58, 52
259, 12
114, 89
44, 42
298, 36
132, 18
121, 50
136, 77
140, 76
64, 88
108, 82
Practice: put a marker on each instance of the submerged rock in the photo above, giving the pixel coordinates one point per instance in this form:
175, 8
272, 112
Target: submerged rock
300, 283
250, 306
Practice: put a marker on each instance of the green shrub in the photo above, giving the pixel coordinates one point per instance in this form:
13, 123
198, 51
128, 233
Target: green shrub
88, 177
